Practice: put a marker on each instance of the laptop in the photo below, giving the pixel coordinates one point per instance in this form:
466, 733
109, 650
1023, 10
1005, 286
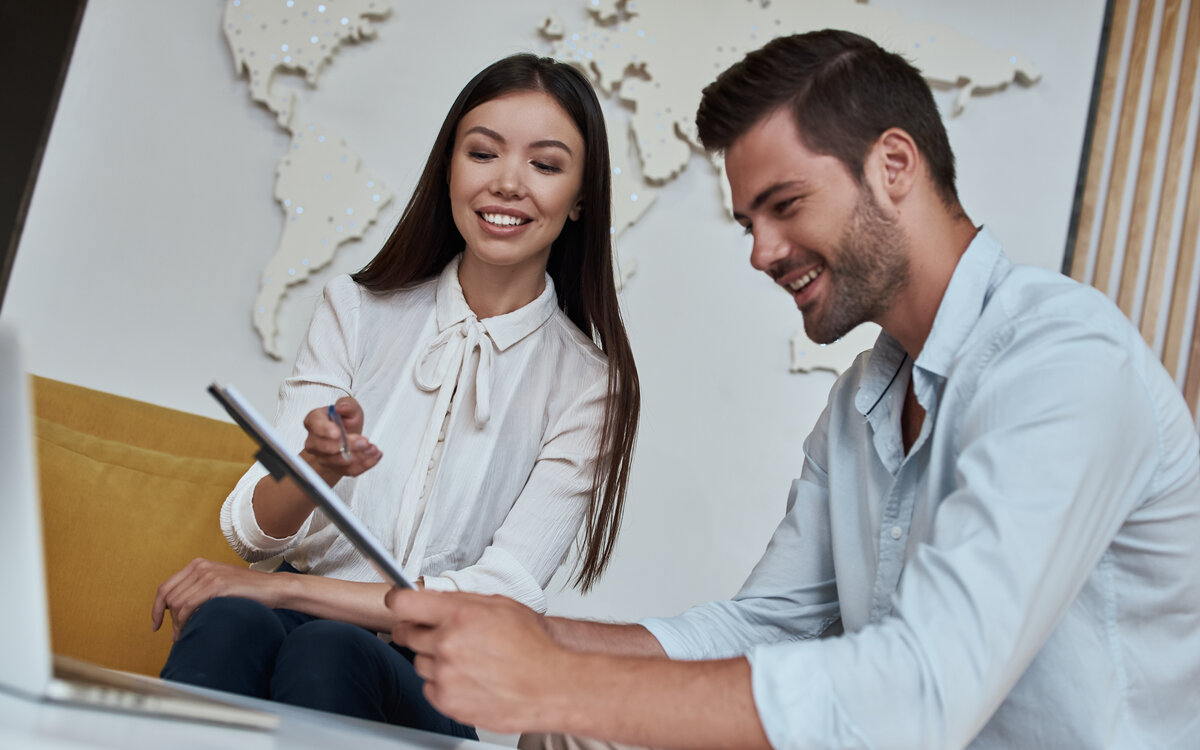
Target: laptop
27, 666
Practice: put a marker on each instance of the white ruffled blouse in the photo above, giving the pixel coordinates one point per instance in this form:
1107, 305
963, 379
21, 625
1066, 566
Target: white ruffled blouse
489, 429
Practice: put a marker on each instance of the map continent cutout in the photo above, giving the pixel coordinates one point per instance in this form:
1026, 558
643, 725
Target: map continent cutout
326, 194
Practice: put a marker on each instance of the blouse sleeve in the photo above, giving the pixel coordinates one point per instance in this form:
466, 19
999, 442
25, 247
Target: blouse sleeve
323, 373
537, 534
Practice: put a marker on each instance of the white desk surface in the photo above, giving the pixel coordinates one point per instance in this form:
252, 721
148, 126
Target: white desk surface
26, 723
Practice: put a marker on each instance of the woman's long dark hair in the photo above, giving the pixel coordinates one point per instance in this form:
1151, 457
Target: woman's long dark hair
580, 263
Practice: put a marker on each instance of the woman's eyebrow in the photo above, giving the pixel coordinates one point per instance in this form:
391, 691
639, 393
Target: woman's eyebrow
553, 144
486, 131
548, 142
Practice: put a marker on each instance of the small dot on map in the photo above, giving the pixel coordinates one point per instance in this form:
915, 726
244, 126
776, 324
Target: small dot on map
320, 8
313, 39
633, 197
616, 170
304, 262
349, 211
345, 21
299, 209
370, 183
375, 197
291, 3
320, 139
291, 272
283, 47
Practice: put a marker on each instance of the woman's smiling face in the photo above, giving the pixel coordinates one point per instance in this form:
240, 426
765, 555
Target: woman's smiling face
516, 171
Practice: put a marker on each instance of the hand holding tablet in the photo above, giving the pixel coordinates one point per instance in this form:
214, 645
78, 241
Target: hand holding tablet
282, 462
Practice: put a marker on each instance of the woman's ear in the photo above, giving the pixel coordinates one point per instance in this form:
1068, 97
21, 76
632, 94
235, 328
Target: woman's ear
576, 210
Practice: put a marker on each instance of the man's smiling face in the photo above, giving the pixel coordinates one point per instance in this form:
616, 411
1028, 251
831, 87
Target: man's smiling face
818, 232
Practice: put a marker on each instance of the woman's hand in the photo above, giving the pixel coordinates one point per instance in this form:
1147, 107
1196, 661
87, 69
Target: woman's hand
202, 580
323, 447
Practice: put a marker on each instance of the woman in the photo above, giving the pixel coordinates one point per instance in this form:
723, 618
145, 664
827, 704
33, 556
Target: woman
484, 350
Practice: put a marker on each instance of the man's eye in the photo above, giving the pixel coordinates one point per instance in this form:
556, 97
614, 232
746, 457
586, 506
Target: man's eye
784, 205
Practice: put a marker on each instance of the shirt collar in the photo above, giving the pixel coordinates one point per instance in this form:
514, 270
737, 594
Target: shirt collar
972, 282
504, 330
962, 304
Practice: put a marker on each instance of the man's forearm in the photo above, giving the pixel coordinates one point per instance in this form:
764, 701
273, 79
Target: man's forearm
657, 702
603, 637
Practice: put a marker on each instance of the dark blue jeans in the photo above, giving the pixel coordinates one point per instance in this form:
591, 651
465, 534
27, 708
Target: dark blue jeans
241, 646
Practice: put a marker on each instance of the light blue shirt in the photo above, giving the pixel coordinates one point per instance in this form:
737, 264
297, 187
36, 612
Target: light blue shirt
1028, 576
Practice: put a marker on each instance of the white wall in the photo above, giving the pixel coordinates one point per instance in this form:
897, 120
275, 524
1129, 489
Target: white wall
153, 215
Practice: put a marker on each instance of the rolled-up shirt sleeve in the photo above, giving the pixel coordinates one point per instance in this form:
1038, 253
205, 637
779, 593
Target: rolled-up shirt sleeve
791, 593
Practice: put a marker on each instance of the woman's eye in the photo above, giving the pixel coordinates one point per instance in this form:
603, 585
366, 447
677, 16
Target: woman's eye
481, 155
544, 167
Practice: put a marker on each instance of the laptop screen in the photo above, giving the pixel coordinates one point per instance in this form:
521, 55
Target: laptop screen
25, 662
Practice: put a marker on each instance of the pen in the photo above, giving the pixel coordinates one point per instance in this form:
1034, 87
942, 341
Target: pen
337, 419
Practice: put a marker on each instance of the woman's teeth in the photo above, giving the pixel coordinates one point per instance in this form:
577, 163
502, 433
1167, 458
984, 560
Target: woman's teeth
806, 279
503, 220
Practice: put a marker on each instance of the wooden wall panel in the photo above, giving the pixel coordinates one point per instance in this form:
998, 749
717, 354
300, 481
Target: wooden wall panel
1138, 222
1168, 207
1096, 157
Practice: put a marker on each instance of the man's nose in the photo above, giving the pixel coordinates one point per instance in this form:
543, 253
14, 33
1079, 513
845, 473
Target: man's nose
769, 247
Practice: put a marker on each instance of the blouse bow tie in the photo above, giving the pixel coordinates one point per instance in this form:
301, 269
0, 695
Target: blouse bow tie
445, 361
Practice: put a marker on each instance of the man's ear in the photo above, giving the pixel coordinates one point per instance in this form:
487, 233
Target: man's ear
894, 161
576, 210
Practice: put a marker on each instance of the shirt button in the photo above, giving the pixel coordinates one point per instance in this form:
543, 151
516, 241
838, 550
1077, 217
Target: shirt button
897, 532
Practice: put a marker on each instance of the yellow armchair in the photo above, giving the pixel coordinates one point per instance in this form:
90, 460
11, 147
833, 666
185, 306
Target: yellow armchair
131, 493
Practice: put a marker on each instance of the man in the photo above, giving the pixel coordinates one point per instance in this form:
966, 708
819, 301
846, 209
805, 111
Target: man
1000, 505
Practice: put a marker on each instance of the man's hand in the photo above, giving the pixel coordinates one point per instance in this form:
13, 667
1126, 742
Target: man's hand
486, 660
202, 580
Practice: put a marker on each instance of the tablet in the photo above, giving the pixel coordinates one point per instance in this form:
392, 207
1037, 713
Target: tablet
282, 462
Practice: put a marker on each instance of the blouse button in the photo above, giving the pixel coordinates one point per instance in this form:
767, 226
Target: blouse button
897, 532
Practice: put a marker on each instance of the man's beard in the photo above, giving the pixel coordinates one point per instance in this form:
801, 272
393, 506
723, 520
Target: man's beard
872, 269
